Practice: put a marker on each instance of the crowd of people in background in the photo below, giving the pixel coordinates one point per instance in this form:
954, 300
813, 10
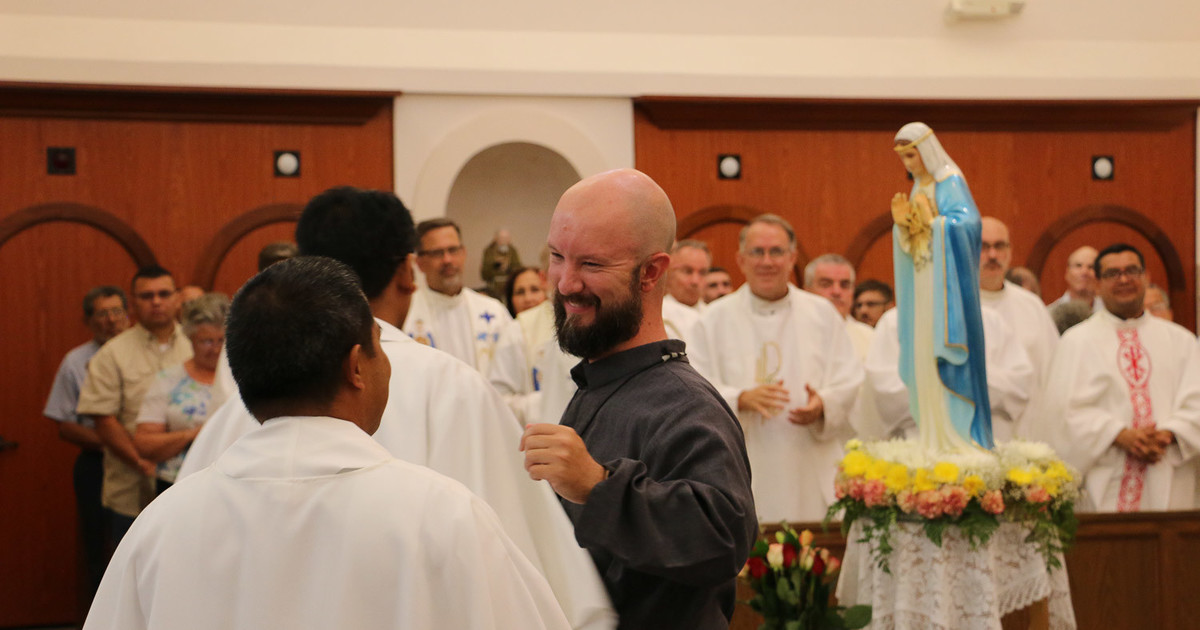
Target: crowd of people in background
792, 371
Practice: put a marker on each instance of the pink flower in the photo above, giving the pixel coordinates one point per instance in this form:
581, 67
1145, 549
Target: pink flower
1037, 494
992, 502
839, 489
954, 500
833, 565
856, 489
874, 493
929, 503
907, 501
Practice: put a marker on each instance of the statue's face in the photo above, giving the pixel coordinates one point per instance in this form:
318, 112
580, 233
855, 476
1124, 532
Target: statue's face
911, 158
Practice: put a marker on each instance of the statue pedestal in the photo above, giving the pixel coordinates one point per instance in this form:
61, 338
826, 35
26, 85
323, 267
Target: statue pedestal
953, 587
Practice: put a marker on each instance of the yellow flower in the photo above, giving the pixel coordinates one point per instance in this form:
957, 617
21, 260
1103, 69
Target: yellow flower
855, 463
945, 472
854, 445
922, 482
897, 478
973, 484
1020, 477
878, 469
806, 538
1058, 472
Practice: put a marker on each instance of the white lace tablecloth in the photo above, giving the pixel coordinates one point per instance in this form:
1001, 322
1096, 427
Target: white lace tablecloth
952, 587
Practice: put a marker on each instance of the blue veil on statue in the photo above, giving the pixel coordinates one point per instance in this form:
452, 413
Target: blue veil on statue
936, 242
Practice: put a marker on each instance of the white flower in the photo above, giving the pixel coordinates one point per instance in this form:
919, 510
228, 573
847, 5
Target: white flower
775, 555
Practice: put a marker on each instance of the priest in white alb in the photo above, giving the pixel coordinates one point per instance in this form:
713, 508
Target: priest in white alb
1125, 388
307, 522
530, 371
682, 305
442, 413
782, 360
445, 314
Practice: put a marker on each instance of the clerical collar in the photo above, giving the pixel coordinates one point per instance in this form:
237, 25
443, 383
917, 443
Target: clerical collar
600, 373
1121, 322
760, 306
441, 300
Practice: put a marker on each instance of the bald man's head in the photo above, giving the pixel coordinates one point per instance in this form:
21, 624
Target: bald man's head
608, 241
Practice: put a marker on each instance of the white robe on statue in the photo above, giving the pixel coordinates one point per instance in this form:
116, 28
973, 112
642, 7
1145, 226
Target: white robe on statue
527, 367
466, 325
1091, 389
742, 342
1030, 322
308, 523
1009, 375
442, 414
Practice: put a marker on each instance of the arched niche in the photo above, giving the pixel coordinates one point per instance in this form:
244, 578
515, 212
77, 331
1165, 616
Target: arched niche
233, 232
495, 127
512, 185
106, 222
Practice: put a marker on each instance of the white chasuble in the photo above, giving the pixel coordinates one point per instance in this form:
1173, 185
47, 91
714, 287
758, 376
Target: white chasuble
742, 342
1033, 328
308, 523
466, 325
530, 371
1111, 374
444, 415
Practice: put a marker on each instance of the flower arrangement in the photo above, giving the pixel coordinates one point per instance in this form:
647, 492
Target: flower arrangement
791, 581
880, 483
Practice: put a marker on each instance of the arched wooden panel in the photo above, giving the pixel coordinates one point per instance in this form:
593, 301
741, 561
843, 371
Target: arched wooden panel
706, 219
234, 231
108, 223
241, 262
1108, 213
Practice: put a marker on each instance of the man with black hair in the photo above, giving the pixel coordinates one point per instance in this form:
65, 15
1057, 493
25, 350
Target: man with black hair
105, 313
445, 314
307, 522
442, 414
872, 298
1125, 387
118, 377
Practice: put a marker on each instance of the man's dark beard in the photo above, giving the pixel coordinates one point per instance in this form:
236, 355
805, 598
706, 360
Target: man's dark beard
614, 323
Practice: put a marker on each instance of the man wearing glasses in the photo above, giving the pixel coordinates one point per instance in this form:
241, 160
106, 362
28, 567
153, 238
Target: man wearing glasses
1023, 311
1126, 387
783, 361
445, 314
118, 377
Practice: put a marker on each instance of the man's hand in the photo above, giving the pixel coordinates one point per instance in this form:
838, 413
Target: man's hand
1144, 444
557, 454
814, 411
147, 467
767, 400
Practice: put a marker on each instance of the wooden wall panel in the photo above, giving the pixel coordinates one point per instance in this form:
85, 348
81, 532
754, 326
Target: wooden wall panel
176, 169
829, 168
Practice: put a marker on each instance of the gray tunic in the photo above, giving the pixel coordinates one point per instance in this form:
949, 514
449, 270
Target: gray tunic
672, 525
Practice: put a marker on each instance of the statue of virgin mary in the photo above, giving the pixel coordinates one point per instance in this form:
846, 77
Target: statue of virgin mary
936, 241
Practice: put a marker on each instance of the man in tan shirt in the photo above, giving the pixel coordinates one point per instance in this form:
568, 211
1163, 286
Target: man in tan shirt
118, 377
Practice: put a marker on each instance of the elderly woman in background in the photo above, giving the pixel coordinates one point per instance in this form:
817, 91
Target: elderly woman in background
180, 399
524, 290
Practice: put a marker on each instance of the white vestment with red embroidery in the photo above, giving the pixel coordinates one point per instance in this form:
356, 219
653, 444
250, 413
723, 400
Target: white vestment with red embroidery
1111, 374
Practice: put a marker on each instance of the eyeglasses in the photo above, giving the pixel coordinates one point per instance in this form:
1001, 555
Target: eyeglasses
1133, 273
162, 294
209, 343
1000, 246
438, 253
759, 253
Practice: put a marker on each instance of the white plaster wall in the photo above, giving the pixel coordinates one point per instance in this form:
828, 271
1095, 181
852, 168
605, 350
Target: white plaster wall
788, 48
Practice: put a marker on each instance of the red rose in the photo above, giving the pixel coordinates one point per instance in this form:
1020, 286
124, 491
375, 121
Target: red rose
789, 555
758, 568
818, 566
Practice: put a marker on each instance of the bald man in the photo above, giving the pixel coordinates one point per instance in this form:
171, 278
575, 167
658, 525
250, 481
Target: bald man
649, 462
1025, 315
1081, 279
783, 359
